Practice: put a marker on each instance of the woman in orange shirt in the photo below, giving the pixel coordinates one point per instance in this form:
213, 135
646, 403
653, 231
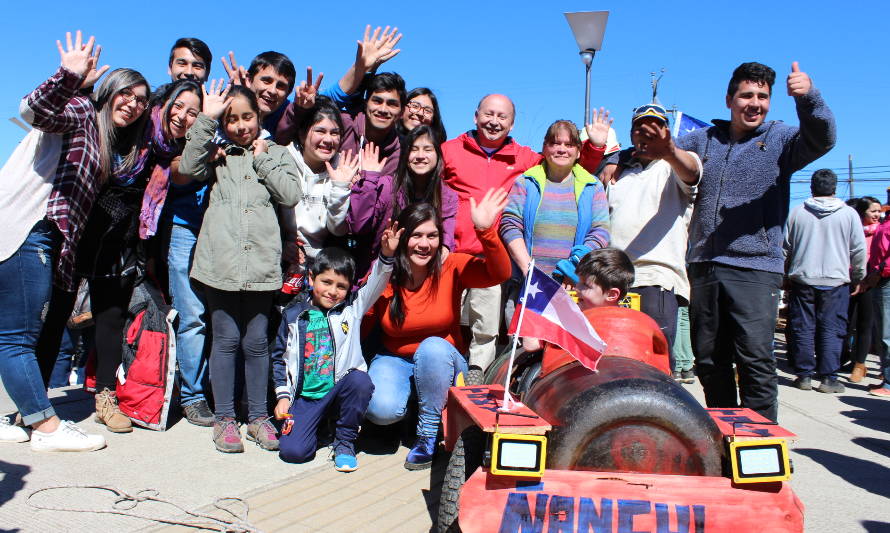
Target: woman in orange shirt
419, 315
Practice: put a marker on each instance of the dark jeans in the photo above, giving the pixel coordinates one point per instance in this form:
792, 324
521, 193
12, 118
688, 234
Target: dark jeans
348, 399
733, 319
239, 319
862, 326
661, 305
53, 333
109, 300
818, 324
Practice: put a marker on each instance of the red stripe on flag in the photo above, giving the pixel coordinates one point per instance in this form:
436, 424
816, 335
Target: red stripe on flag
536, 326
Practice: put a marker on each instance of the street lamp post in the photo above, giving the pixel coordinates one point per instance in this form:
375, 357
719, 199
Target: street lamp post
588, 27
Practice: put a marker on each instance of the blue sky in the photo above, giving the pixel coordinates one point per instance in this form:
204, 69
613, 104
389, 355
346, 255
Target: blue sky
463, 50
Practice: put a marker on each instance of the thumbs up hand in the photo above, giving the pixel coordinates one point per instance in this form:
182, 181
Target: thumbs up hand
799, 83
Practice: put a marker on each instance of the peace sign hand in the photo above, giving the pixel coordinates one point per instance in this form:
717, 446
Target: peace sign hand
346, 169
487, 211
216, 100
390, 240
371, 160
598, 128
376, 49
307, 91
78, 57
237, 74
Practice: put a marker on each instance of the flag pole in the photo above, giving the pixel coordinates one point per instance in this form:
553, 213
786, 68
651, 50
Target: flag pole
528, 279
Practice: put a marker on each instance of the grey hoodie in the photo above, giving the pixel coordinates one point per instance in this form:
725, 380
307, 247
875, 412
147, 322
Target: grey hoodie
824, 243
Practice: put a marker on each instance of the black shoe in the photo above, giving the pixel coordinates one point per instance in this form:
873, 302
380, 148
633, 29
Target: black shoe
804, 383
687, 376
831, 385
198, 413
677, 375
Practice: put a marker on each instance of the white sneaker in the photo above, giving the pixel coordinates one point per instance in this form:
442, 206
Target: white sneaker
67, 438
9, 432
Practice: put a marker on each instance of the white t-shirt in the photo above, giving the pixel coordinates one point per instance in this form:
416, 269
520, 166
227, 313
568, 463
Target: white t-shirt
650, 209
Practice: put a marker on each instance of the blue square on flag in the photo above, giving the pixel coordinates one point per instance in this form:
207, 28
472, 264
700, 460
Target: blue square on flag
541, 291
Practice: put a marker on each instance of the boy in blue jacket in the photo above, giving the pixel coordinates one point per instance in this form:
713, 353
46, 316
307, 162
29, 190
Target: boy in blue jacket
317, 361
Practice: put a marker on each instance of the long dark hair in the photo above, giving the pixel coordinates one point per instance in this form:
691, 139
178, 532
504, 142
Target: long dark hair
166, 96
404, 180
324, 108
437, 124
414, 215
861, 205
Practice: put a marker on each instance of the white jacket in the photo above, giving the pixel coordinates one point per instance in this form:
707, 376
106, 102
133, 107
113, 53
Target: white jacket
321, 212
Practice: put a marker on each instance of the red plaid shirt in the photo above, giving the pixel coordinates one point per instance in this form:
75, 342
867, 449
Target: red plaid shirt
58, 108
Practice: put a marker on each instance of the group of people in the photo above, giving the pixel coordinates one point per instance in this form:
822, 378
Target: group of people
402, 246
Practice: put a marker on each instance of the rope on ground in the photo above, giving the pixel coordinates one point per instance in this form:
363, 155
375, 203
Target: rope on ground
124, 503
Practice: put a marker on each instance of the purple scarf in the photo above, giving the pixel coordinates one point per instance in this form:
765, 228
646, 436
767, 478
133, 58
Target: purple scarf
163, 150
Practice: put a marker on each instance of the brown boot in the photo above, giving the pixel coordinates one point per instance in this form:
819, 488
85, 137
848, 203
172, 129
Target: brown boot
108, 413
859, 372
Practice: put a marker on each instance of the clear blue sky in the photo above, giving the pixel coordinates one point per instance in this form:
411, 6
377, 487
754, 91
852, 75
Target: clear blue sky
463, 50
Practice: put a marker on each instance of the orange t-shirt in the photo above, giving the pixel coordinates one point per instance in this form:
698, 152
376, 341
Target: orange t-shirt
436, 313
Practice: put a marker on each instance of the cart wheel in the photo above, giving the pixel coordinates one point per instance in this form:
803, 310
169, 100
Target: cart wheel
464, 460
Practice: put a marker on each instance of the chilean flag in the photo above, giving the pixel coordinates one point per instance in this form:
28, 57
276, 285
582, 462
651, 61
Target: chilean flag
550, 314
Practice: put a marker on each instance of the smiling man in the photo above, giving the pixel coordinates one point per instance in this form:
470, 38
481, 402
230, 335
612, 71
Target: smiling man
189, 58
735, 237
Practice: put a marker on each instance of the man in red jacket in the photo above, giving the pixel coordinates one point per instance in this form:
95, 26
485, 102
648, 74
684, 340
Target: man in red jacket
475, 162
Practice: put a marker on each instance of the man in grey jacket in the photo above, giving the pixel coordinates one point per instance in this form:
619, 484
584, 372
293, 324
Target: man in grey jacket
825, 252
735, 236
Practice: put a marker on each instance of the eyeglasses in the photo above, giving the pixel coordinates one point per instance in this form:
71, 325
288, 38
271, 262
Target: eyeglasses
129, 96
415, 107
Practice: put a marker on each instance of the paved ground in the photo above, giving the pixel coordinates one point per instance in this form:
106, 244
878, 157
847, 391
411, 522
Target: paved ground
841, 460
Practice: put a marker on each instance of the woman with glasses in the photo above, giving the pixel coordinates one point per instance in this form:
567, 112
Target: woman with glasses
378, 198
49, 186
110, 255
422, 110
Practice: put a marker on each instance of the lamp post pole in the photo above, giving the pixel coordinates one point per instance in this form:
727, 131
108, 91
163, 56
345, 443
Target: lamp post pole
587, 59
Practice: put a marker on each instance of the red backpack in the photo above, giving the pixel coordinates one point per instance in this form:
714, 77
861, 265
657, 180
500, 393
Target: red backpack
146, 377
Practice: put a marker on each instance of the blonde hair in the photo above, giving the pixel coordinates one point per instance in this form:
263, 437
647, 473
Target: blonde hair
128, 140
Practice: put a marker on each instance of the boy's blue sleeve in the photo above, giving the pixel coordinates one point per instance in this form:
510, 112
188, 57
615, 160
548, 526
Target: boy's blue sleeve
279, 365
340, 98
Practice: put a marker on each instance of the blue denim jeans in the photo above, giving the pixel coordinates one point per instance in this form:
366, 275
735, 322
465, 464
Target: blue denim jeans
189, 302
26, 280
818, 324
883, 298
433, 369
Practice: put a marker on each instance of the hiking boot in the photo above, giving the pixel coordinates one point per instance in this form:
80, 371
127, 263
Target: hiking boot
831, 385
859, 372
421, 455
227, 436
108, 413
198, 413
804, 383
262, 432
66, 438
10, 432
687, 376
880, 390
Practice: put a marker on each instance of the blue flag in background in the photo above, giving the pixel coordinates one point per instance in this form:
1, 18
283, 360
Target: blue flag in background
684, 124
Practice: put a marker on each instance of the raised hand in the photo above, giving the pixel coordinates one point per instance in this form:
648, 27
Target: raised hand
260, 146
598, 129
371, 160
78, 57
216, 100
237, 74
657, 142
376, 49
390, 240
488, 209
307, 91
346, 168
799, 83
94, 74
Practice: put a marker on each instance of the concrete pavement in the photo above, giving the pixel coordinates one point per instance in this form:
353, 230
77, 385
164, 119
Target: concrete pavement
841, 461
